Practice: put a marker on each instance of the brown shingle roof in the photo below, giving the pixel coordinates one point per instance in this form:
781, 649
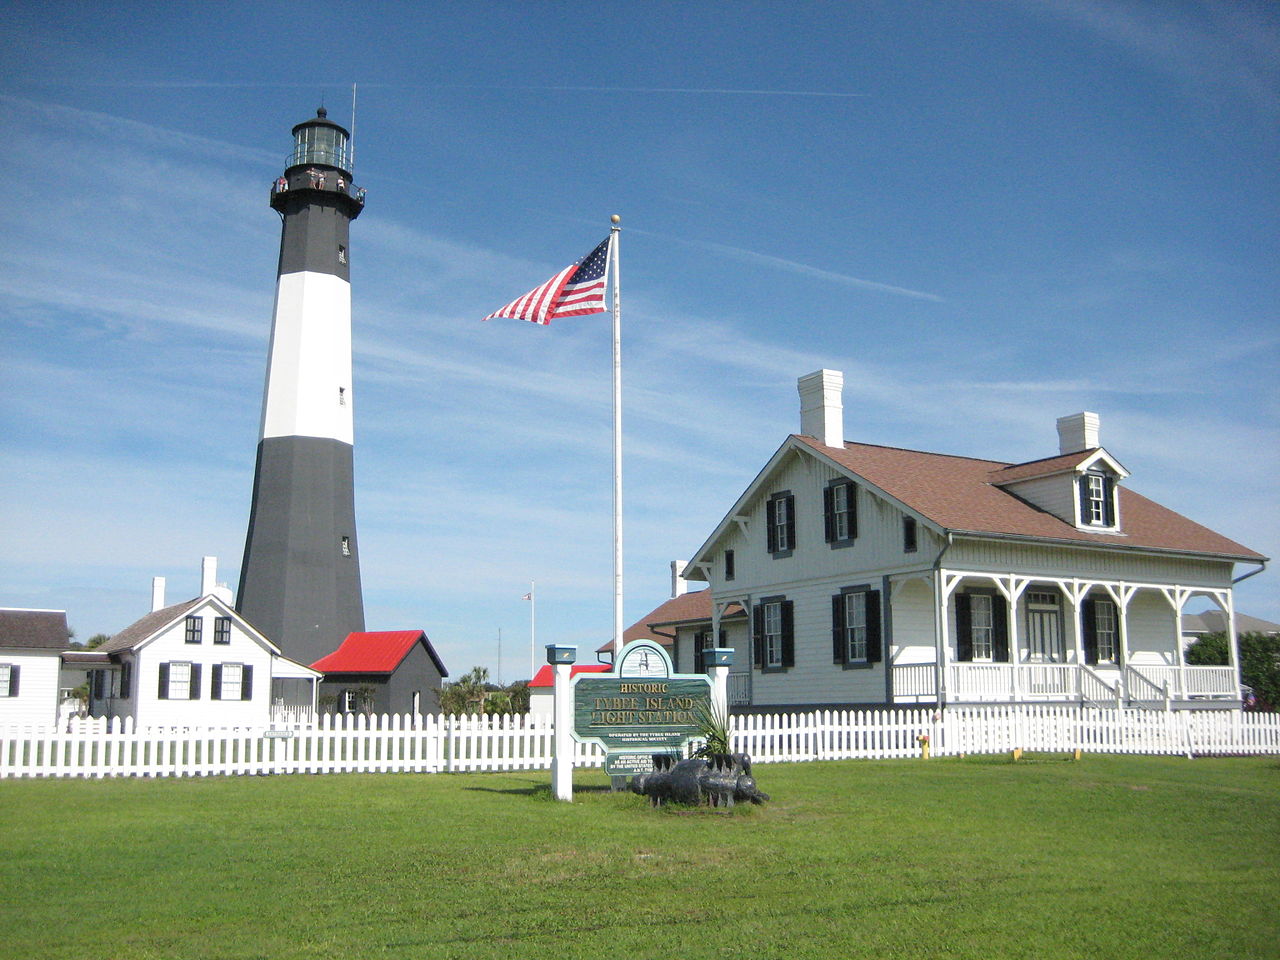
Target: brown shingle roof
1041, 468
34, 629
140, 629
959, 494
691, 607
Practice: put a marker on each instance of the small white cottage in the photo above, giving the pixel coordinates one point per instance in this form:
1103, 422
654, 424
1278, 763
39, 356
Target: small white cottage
198, 663
31, 644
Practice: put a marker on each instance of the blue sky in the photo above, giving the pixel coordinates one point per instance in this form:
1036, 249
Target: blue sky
987, 215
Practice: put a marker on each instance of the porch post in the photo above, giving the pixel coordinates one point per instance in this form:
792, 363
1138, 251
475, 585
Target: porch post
1233, 643
1181, 598
1076, 596
941, 634
1011, 596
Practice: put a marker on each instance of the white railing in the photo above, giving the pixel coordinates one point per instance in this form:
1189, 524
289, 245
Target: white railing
1057, 680
435, 745
1097, 689
1211, 682
915, 680
739, 689
979, 681
1139, 688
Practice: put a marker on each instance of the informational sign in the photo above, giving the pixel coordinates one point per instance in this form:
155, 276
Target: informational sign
641, 708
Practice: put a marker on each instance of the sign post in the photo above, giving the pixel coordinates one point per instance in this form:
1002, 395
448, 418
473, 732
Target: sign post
718, 660
562, 658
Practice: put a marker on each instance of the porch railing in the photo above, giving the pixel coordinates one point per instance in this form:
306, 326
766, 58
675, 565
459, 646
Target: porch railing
740, 689
1057, 680
915, 680
980, 681
1095, 688
1210, 682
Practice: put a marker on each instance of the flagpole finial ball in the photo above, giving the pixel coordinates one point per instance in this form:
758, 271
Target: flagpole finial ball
615, 219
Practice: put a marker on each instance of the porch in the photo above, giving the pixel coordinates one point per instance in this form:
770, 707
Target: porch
1103, 685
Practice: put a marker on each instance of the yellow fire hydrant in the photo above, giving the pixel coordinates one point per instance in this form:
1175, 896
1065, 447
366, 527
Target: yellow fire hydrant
923, 740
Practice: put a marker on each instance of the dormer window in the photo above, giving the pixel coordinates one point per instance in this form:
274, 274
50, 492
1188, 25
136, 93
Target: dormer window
1097, 500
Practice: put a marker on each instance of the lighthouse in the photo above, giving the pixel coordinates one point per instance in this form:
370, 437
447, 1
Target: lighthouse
300, 577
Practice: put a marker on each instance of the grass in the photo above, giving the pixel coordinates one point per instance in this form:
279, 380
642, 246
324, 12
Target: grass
981, 857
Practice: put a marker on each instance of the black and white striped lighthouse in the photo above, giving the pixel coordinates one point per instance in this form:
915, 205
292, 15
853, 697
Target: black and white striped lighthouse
300, 579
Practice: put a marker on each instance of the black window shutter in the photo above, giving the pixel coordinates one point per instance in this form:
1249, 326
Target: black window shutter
14, 670
837, 628
246, 682
1089, 630
791, 523
770, 522
1084, 499
999, 629
126, 678
99, 683
788, 633
163, 693
964, 628
873, 626
757, 634
1109, 500
215, 683
853, 511
194, 689
829, 514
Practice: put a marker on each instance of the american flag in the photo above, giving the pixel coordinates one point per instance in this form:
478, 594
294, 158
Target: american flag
576, 290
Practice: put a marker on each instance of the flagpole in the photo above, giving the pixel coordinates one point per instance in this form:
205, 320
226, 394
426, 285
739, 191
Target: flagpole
614, 231
533, 640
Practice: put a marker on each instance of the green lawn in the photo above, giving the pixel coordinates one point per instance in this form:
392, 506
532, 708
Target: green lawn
1109, 857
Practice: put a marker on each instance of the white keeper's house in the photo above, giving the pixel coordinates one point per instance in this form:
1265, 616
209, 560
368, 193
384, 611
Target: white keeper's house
196, 663
876, 575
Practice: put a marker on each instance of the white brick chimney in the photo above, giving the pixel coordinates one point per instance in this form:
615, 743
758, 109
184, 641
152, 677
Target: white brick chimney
1078, 432
208, 575
822, 407
679, 585
157, 594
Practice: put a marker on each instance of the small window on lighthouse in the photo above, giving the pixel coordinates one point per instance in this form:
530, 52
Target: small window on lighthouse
346, 546
342, 396
342, 253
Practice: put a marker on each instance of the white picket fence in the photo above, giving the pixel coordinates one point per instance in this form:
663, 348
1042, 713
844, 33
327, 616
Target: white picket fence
402, 743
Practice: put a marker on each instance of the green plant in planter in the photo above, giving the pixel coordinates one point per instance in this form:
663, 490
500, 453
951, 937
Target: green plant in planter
713, 728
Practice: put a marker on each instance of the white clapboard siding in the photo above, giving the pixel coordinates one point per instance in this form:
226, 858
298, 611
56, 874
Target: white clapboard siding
403, 743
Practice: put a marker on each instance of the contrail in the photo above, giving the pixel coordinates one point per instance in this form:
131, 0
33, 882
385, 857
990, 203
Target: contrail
792, 266
247, 85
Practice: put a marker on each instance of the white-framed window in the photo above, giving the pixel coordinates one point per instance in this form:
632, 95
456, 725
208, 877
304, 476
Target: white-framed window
1106, 629
7, 674
194, 629
232, 678
773, 634
841, 512
222, 630
179, 681
781, 521
348, 702
982, 625
1097, 499
855, 627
